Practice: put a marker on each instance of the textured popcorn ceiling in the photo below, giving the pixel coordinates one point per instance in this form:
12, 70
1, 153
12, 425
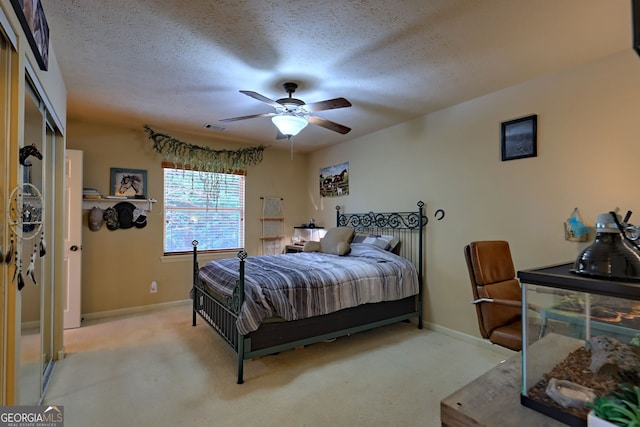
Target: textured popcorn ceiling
176, 65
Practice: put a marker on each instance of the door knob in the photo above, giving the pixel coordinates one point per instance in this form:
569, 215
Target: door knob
74, 248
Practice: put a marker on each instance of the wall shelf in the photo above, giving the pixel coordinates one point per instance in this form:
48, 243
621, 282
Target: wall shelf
146, 204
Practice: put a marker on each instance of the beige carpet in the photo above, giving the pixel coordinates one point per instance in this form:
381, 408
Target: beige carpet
155, 369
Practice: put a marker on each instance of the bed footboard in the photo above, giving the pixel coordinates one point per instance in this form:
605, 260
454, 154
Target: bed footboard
220, 316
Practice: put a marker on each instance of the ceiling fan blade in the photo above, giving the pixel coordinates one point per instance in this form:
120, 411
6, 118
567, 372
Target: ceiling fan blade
253, 116
262, 98
329, 104
328, 124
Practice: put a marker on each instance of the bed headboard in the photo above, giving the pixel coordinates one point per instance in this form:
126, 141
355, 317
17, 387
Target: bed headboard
408, 227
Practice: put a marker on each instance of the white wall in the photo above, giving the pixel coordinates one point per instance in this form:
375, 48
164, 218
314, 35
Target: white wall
588, 157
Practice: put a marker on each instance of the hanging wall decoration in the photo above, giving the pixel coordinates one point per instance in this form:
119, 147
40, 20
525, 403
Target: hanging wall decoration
204, 158
574, 228
28, 151
518, 138
25, 223
130, 183
34, 23
334, 180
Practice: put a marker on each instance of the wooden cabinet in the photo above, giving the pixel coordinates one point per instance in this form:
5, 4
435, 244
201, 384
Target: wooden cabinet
492, 400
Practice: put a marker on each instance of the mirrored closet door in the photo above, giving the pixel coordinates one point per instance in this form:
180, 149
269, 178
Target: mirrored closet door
4, 190
36, 192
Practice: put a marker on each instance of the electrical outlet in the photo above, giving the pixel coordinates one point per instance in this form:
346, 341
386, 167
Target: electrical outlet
154, 287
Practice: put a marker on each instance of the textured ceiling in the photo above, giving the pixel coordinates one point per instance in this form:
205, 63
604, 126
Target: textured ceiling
176, 65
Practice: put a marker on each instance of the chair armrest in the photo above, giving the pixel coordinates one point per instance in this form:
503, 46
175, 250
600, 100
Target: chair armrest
507, 302
512, 303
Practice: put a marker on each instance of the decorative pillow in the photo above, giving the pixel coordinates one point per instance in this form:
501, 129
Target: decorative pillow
311, 246
342, 248
329, 243
386, 242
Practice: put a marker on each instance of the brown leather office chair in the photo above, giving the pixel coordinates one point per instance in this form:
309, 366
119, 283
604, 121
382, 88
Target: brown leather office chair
496, 292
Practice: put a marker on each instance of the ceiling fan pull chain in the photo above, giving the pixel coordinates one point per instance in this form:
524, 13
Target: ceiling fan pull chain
291, 145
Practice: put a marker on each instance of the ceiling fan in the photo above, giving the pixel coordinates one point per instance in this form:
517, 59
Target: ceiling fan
292, 114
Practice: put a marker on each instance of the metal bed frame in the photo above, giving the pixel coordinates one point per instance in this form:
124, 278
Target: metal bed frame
275, 337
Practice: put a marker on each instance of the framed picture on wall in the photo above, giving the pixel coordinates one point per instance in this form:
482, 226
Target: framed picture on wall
34, 24
334, 180
131, 183
518, 138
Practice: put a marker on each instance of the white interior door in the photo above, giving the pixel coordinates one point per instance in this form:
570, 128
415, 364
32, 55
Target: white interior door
73, 239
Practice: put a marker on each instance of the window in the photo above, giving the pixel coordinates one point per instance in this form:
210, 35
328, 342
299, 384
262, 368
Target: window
203, 206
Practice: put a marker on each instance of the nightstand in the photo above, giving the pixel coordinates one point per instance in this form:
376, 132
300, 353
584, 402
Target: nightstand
291, 249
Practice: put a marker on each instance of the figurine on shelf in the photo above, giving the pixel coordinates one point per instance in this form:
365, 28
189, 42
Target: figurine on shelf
312, 223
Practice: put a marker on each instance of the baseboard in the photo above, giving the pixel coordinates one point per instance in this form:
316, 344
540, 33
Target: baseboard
468, 339
135, 310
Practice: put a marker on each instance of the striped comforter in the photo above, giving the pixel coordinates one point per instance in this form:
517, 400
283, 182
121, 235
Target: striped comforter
300, 285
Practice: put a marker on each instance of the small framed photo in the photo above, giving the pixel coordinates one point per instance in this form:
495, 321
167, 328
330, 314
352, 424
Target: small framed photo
519, 138
130, 183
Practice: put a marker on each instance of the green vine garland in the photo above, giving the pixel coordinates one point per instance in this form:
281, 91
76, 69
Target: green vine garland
203, 158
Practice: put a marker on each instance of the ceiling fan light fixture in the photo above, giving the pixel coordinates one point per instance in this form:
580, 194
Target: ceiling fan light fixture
289, 125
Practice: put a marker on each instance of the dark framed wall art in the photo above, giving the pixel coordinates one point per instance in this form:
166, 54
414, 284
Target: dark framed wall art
131, 183
518, 138
34, 23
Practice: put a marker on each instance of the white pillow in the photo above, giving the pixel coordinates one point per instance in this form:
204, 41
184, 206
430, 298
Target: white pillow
384, 241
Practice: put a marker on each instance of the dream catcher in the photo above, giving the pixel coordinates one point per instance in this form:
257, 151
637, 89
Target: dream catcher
25, 224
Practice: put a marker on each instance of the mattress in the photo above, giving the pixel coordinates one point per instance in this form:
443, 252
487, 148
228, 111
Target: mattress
302, 285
